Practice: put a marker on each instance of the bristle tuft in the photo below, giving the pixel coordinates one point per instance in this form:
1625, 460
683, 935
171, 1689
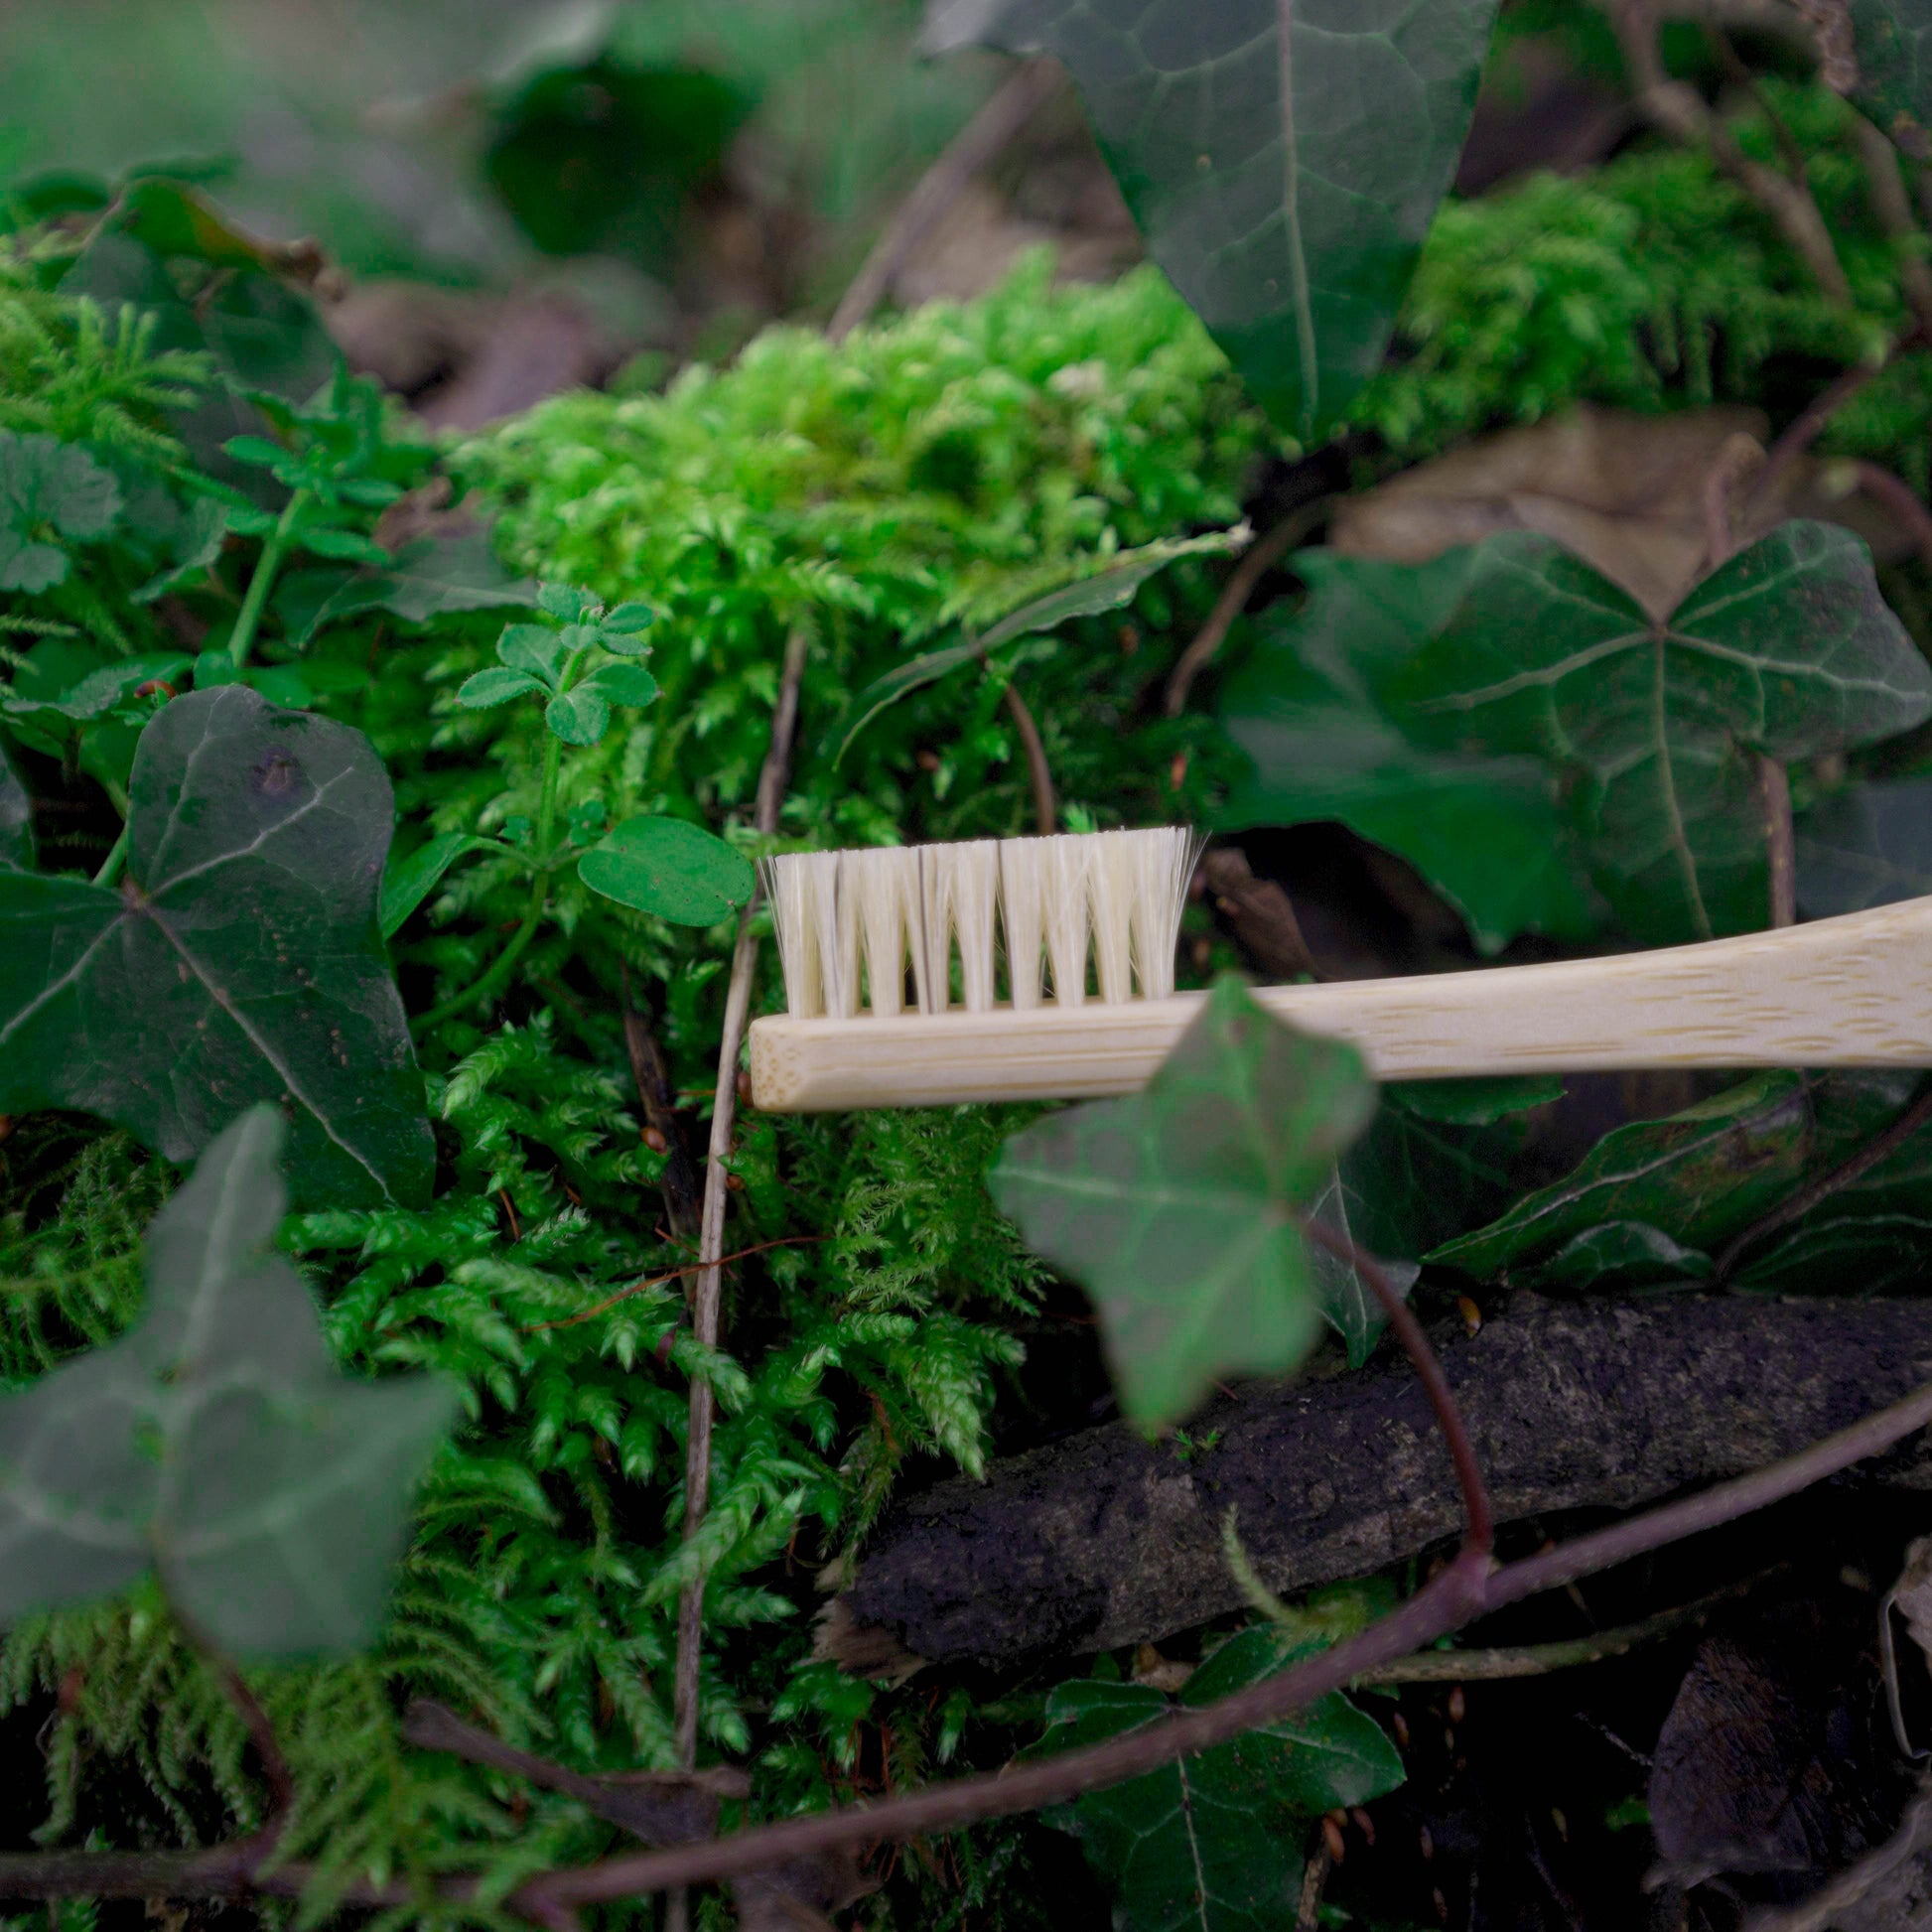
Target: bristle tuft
1110, 897
1164, 863
1066, 915
835, 919
786, 884
1023, 906
885, 881
972, 893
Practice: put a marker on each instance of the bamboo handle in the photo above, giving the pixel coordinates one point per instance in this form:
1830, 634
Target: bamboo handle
1854, 991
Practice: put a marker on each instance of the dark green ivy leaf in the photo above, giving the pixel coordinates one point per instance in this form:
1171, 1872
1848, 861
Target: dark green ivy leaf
51, 495
1176, 1207
1283, 158
1865, 846
669, 867
1788, 651
1212, 1843
216, 1442
239, 961
1486, 831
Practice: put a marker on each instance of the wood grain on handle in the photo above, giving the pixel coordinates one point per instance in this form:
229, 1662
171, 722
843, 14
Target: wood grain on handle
1854, 991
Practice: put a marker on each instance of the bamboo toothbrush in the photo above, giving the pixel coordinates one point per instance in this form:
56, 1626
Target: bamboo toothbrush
1083, 1003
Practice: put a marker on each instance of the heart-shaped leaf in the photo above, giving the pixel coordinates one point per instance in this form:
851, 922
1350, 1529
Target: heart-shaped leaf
624, 684
1788, 651
1213, 1843
578, 717
51, 494
1486, 831
1177, 1207
1282, 157
239, 961
482, 689
216, 1442
406, 886
1867, 846
672, 868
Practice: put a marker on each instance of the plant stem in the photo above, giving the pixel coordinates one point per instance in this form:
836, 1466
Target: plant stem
497, 976
110, 867
1479, 1522
242, 640
1780, 839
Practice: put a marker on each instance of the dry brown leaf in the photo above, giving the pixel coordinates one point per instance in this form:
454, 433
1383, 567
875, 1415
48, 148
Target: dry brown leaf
1629, 495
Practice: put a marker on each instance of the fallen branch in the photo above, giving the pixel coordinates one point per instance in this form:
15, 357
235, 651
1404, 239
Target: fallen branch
1105, 1537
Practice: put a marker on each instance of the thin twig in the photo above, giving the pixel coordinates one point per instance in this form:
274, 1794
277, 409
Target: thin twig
1893, 208
1540, 1659
1459, 1594
1826, 1185
1260, 558
1012, 104
1679, 110
1478, 1519
1314, 1880
1039, 773
1898, 496
1808, 425
261, 1734
709, 1300
1780, 840
658, 1097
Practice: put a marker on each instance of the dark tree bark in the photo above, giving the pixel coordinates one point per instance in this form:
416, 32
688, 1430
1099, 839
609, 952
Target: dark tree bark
1106, 1539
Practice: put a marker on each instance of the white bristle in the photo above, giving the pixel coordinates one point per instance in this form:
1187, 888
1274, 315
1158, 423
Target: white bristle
972, 893
932, 934
1066, 915
1023, 898
1164, 863
1110, 896
787, 881
884, 882
848, 922
834, 913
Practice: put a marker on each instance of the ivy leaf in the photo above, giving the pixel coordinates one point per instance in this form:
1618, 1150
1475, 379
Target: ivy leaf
1868, 844
1283, 160
52, 493
482, 689
1787, 650
1212, 1843
448, 573
241, 961
1176, 1207
578, 717
1891, 50
1087, 596
1700, 1177
16, 818
216, 1442
672, 868
1486, 831
624, 684
406, 885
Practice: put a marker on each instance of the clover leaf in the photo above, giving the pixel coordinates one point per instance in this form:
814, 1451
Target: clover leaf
51, 495
215, 1444
1177, 1207
239, 961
